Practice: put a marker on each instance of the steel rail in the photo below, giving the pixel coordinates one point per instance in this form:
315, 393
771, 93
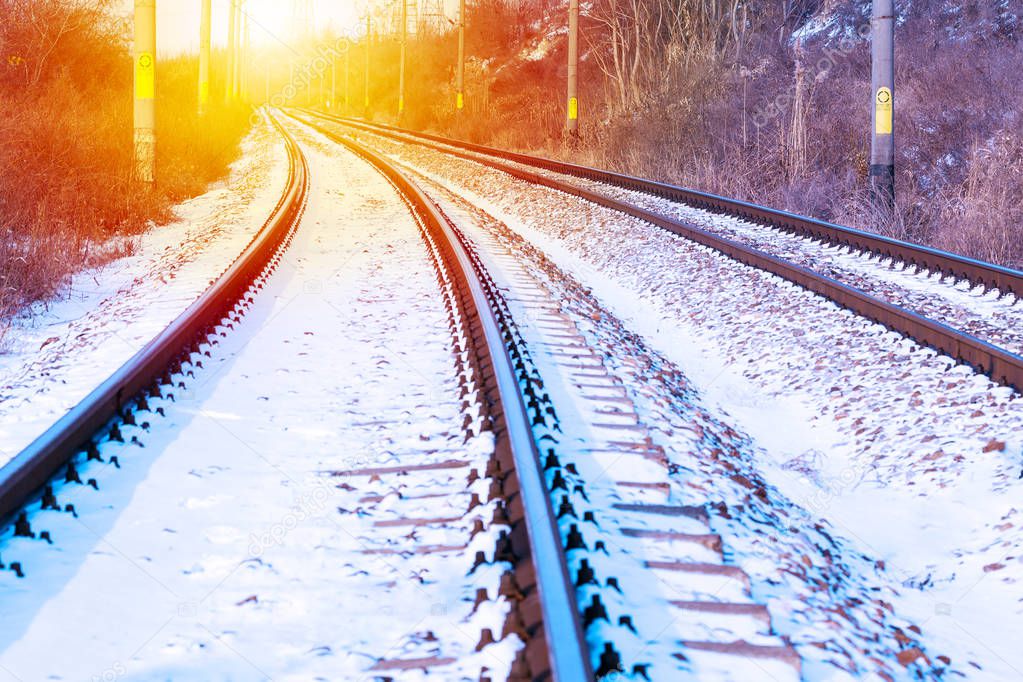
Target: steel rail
568, 652
31, 469
1001, 365
978, 273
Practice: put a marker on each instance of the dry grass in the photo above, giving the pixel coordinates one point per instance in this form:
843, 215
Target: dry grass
989, 203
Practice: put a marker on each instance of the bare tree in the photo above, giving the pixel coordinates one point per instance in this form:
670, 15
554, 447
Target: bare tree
33, 31
641, 44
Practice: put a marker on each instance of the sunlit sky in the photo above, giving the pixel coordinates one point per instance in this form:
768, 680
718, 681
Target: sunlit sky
178, 20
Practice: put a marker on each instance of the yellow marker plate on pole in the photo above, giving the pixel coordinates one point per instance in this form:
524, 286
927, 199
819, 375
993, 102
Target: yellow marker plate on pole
460, 101
145, 76
883, 112
573, 108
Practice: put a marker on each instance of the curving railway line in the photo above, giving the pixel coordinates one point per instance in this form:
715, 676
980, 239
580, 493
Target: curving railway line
992, 352
674, 598
494, 392
561, 530
622, 539
547, 607
1005, 280
147, 375
497, 391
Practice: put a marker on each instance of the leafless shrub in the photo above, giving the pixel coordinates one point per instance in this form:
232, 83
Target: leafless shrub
66, 195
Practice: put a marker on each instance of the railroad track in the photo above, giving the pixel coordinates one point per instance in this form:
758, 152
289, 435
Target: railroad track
587, 538
607, 513
61, 456
1002, 365
978, 273
547, 611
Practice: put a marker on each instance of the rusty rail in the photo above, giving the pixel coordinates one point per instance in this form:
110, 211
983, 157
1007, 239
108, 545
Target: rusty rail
1001, 365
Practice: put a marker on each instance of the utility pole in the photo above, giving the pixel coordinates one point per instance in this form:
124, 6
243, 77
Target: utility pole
232, 38
236, 77
333, 82
573, 68
244, 65
348, 73
401, 73
882, 146
369, 40
145, 91
204, 56
460, 84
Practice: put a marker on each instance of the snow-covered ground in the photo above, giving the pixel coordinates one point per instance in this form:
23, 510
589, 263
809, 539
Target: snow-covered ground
259, 531
910, 463
60, 350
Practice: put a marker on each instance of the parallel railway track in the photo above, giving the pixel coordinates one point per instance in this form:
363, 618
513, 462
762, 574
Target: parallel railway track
978, 273
546, 615
569, 607
596, 515
1001, 365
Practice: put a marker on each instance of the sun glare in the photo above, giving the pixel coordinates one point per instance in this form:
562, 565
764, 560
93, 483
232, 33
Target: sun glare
273, 21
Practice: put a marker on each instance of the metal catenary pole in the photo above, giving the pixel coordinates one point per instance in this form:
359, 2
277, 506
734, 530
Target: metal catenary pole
573, 67
232, 38
369, 40
882, 147
401, 72
348, 74
460, 86
236, 77
204, 56
145, 91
